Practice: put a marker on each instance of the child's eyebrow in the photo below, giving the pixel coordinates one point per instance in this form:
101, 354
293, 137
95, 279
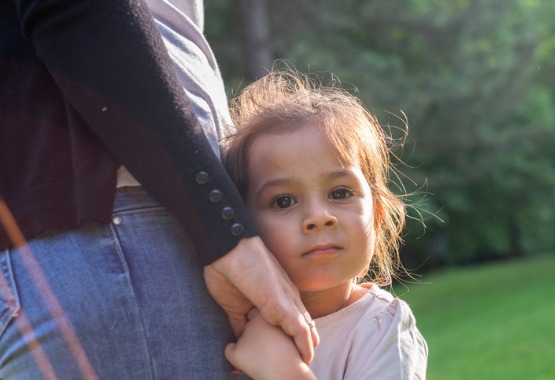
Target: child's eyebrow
274, 183
335, 174
340, 173
344, 173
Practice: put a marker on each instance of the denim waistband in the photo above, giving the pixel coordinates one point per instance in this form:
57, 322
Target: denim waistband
132, 198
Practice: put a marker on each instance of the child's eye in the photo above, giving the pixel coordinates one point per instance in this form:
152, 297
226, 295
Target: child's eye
341, 193
283, 201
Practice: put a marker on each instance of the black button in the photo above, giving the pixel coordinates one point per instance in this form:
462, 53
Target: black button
237, 229
202, 178
227, 213
216, 196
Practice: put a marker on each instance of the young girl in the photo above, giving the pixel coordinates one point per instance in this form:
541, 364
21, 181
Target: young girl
312, 165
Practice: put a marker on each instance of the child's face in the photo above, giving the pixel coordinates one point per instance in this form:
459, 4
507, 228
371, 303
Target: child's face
313, 210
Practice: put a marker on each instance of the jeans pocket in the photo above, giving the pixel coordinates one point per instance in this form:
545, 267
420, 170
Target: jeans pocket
9, 300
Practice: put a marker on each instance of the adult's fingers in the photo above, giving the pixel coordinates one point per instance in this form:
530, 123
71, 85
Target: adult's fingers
283, 306
250, 275
294, 323
227, 295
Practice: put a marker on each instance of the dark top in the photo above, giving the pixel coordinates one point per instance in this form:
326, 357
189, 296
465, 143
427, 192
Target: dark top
84, 86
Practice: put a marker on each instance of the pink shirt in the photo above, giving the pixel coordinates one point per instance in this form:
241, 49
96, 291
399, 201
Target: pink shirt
374, 338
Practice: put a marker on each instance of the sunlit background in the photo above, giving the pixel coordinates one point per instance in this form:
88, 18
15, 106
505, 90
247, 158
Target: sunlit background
476, 80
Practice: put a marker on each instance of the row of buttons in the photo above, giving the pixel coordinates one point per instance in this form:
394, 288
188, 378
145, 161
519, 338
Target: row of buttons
216, 196
227, 214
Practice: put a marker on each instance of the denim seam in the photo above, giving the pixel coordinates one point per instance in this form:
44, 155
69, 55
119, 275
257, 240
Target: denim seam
119, 252
140, 211
123, 261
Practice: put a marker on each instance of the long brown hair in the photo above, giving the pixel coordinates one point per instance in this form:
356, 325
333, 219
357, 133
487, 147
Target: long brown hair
285, 100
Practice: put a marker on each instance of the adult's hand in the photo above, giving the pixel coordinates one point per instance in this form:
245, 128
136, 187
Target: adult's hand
250, 276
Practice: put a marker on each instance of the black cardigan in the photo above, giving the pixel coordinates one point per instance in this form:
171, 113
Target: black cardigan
84, 86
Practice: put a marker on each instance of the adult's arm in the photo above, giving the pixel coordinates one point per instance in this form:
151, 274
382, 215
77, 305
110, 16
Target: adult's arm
110, 63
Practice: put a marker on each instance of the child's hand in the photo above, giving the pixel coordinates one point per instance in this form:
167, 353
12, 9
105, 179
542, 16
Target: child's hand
265, 352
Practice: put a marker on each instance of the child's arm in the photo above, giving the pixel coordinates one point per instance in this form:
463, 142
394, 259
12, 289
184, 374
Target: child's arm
266, 352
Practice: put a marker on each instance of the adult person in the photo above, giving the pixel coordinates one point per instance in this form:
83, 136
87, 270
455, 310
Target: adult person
109, 285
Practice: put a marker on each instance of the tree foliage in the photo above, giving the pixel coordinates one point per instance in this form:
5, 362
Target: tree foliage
476, 80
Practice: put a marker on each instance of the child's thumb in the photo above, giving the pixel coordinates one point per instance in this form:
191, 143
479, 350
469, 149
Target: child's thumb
230, 352
230, 355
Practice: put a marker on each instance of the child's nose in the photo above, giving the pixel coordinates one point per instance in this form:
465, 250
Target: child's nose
318, 217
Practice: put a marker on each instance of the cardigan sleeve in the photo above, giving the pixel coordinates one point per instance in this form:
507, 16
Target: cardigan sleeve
110, 63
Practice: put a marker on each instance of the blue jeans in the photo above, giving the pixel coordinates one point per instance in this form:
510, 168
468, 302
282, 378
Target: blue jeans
124, 300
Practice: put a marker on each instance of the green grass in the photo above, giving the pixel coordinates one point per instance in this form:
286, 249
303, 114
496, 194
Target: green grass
495, 321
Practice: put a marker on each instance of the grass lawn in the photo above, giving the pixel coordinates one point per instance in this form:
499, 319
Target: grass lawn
495, 321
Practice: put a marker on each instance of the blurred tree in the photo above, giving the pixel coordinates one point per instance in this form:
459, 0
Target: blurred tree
476, 80
256, 36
